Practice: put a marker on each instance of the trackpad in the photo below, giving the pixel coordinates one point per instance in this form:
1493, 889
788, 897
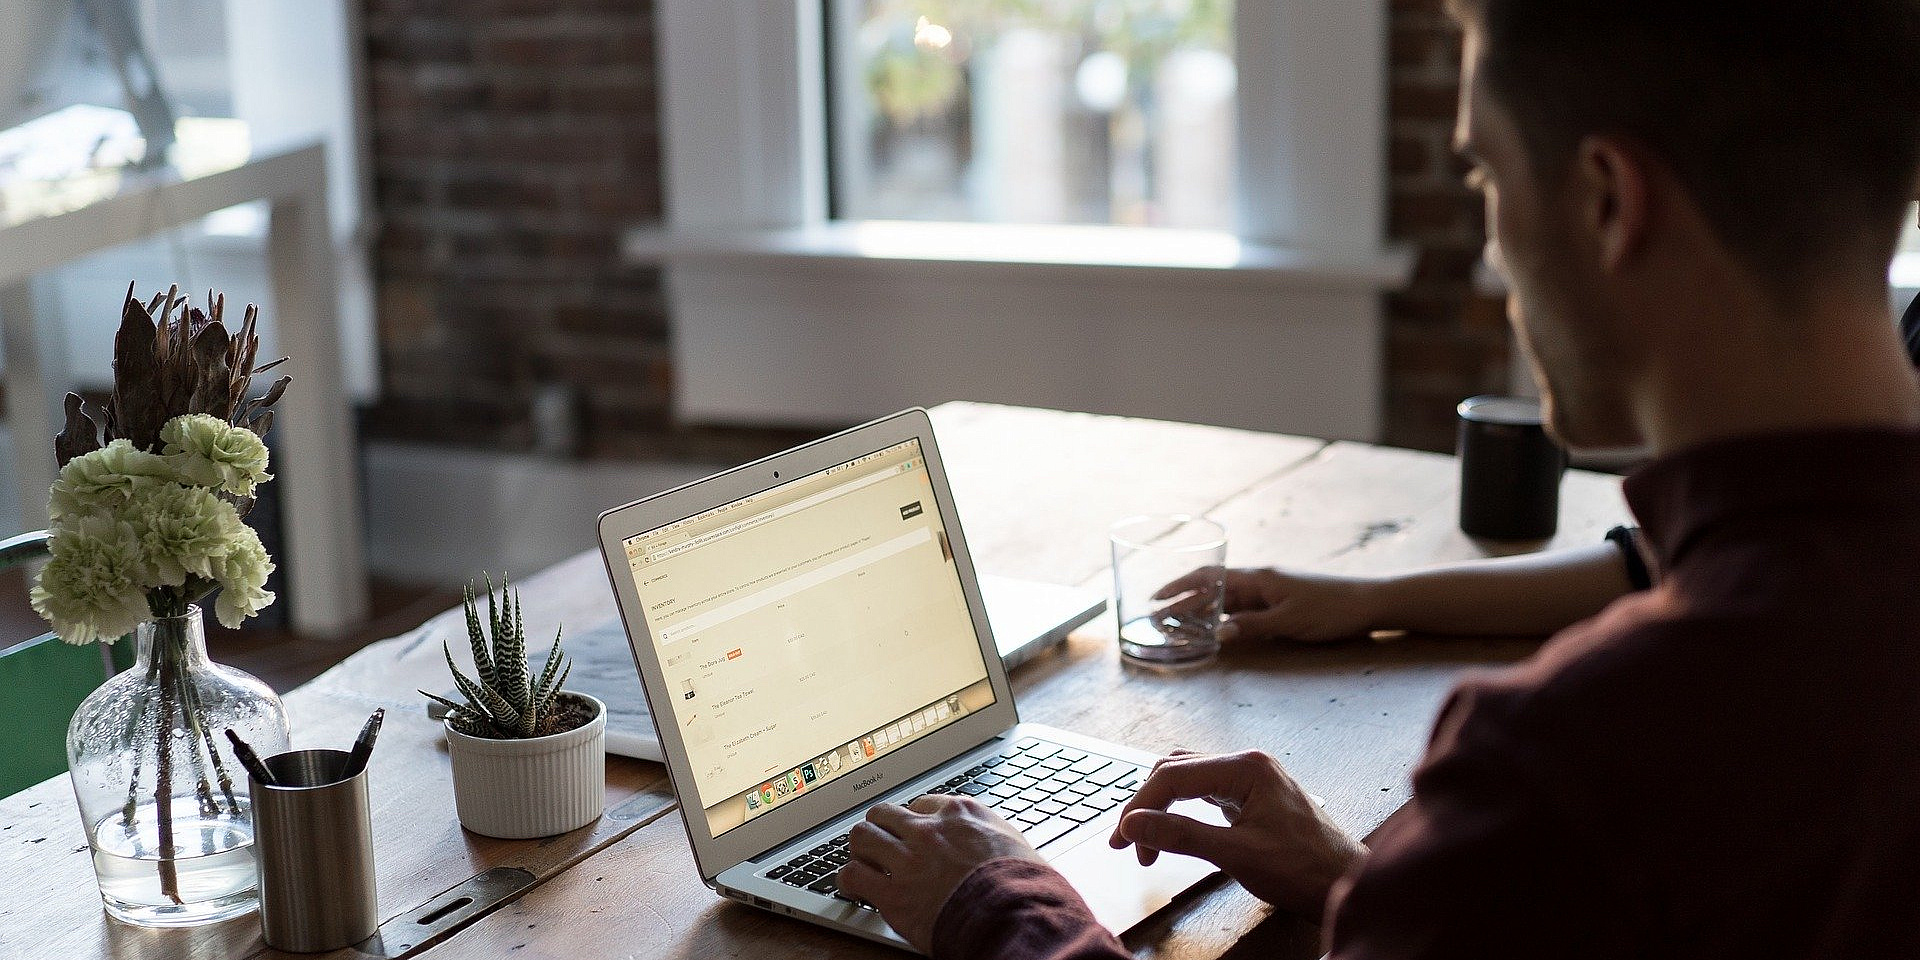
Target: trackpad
1120, 890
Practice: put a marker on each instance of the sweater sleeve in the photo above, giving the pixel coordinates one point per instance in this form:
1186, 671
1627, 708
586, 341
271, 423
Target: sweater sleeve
1480, 863
1015, 909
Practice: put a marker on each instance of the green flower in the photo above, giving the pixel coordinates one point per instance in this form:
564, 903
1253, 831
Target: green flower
182, 530
212, 453
91, 588
242, 575
106, 478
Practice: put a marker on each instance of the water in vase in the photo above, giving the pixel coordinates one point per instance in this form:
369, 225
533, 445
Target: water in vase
214, 875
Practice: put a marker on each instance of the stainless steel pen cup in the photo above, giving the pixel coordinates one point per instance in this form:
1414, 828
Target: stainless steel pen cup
314, 841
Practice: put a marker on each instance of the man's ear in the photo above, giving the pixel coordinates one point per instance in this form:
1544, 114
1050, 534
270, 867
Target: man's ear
1613, 193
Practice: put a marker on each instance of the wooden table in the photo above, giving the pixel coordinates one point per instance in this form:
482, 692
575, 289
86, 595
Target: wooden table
1037, 490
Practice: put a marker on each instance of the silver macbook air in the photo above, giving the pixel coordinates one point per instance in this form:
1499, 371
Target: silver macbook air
810, 635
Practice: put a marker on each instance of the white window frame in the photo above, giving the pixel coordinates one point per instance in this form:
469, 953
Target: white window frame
785, 316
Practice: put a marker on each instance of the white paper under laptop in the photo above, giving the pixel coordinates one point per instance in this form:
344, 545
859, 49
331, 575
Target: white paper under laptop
811, 638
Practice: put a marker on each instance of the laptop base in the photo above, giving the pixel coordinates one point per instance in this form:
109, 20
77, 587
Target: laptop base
1120, 892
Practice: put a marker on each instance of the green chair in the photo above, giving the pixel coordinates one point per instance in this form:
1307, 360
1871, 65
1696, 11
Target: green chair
42, 681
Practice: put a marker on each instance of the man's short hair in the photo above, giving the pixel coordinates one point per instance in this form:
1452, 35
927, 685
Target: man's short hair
1794, 126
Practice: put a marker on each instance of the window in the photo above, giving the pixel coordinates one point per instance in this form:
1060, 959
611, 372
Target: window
1034, 111
788, 309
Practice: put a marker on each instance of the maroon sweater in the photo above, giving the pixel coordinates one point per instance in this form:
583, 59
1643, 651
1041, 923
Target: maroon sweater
1727, 765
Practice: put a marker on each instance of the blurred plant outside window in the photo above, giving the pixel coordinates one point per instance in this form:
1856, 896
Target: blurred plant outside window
1034, 111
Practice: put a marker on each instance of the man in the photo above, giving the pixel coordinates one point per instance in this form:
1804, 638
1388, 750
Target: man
1695, 205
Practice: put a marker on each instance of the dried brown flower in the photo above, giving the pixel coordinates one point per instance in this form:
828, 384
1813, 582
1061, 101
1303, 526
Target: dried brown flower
181, 362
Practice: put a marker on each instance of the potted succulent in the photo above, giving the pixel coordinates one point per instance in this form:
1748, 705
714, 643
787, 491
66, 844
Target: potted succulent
529, 758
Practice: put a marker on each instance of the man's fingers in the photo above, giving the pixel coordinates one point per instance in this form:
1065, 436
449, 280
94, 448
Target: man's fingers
1173, 833
1178, 777
862, 882
1191, 604
1272, 623
1190, 777
1201, 579
893, 818
870, 843
1174, 754
931, 802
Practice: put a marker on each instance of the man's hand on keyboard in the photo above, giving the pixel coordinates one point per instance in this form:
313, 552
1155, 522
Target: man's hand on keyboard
908, 860
1278, 844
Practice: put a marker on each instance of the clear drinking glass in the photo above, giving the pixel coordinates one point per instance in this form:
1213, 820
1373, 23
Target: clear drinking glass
1169, 582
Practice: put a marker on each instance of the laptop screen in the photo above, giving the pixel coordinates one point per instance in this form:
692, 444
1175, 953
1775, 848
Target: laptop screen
808, 629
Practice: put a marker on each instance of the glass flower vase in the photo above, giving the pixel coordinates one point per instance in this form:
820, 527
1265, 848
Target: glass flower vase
164, 802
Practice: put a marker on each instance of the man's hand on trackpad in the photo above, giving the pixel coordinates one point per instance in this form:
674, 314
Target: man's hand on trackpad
1278, 844
908, 860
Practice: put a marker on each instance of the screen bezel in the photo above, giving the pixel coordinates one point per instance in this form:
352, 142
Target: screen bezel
715, 854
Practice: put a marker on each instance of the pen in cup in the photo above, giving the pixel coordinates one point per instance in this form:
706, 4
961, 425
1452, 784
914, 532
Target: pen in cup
250, 760
363, 744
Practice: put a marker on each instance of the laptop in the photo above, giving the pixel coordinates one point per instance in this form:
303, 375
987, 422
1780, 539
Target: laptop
811, 639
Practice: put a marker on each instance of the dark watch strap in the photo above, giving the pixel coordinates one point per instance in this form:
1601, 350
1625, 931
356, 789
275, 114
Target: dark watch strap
1626, 539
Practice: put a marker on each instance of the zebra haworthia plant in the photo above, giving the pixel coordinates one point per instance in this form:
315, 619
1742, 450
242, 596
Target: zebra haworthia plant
529, 758
505, 701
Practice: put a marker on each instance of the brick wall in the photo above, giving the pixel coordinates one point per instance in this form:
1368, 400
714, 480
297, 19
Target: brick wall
514, 139
1444, 341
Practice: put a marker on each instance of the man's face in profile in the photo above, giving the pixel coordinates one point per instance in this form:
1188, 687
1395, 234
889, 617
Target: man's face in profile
1556, 301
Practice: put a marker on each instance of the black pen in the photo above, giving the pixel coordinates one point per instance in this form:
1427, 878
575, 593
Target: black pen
363, 745
250, 760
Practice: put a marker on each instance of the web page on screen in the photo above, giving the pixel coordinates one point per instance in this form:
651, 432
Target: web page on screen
808, 629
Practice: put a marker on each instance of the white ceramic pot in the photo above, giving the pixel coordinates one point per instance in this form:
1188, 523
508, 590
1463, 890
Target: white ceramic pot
517, 789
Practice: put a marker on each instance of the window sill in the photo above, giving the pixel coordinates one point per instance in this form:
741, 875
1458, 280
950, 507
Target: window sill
846, 321
1044, 252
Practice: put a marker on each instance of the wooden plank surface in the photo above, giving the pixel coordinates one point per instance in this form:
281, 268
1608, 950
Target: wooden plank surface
1037, 490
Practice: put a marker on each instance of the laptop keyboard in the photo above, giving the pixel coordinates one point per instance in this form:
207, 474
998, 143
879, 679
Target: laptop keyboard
1043, 788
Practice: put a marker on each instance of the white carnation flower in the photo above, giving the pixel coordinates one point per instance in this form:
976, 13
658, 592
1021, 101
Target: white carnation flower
213, 453
183, 530
106, 478
91, 588
242, 575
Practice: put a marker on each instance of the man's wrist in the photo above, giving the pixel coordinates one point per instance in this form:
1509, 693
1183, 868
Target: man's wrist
1353, 853
1382, 601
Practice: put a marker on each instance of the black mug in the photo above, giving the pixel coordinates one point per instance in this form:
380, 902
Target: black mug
1509, 470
